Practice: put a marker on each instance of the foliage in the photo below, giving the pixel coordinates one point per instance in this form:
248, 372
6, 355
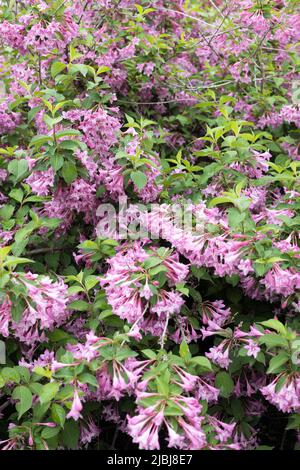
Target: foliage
183, 339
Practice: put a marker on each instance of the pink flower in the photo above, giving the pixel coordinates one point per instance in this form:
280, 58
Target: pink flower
88, 431
219, 355
5, 317
76, 407
252, 348
286, 398
41, 181
143, 428
174, 439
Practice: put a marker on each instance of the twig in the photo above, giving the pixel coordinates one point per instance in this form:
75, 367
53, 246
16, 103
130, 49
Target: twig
283, 439
217, 8
40, 70
112, 447
186, 15
83, 10
178, 100
163, 336
136, 322
38, 251
59, 7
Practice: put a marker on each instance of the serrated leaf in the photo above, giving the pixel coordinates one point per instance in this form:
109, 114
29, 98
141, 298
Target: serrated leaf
48, 392
139, 179
56, 161
184, 351
203, 362
276, 362
18, 168
24, 397
69, 172
91, 281
275, 325
56, 68
272, 340
79, 305
70, 436
224, 383
58, 414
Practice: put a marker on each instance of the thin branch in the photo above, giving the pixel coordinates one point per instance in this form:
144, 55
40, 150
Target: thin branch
217, 8
59, 7
39, 251
186, 15
178, 100
163, 336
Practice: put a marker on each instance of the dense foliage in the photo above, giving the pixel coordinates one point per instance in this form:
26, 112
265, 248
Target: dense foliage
150, 333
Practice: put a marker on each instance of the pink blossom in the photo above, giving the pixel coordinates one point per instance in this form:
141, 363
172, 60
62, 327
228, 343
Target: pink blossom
76, 407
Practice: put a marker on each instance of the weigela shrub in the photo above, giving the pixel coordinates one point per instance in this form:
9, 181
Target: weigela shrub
149, 332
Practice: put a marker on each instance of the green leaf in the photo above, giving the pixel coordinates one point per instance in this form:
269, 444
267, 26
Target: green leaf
275, 325
2, 381
91, 281
18, 168
10, 374
70, 144
17, 309
69, 172
39, 140
173, 410
237, 409
51, 121
56, 68
67, 132
70, 436
184, 351
235, 217
87, 378
33, 112
260, 268
24, 232
149, 353
4, 279
272, 341
4, 252
224, 383
162, 386
16, 194
221, 200
81, 68
181, 288
139, 179
103, 69
48, 433
48, 392
105, 314
14, 261
7, 211
42, 372
158, 269
151, 262
24, 397
75, 289
58, 335
276, 362
56, 161
58, 414
79, 305
73, 53
51, 223
294, 422
203, 362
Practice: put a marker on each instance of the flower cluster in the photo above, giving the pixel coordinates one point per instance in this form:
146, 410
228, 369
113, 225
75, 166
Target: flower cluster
173, 321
